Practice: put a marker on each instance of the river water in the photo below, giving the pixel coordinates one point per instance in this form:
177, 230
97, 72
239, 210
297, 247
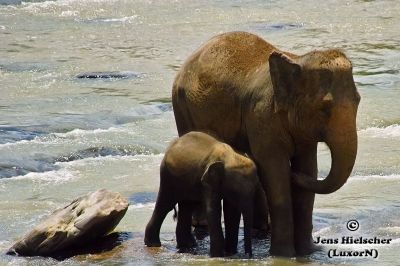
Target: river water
61, 137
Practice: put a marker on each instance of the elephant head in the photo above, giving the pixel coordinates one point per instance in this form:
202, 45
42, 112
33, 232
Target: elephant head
235, 183
317, 94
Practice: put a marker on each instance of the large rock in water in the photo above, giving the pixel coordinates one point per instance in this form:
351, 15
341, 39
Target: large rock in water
83, 220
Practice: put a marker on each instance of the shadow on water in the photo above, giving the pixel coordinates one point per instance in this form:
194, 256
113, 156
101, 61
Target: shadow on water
98, 246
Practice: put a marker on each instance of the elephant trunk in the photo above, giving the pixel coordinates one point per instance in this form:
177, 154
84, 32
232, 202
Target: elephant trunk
247, 212
343, 147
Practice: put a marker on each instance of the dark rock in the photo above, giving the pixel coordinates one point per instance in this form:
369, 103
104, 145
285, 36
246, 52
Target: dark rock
277, 26
108, 75
84, 220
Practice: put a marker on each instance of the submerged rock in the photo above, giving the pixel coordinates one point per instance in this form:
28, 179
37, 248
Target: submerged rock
82, 221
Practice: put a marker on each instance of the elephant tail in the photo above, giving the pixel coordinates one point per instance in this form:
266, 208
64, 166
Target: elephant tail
175, 214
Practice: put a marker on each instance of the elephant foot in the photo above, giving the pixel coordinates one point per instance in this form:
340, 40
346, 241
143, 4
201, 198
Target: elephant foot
217, 253
186, 245
152, 243
151, 238
230, 248
201, 231
305, 249
186, 249
260, 233
282, 251
230, 252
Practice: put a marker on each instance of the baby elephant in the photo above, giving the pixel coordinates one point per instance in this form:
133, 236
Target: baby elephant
198, 169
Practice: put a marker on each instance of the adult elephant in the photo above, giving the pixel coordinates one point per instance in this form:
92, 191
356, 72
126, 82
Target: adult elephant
276, 106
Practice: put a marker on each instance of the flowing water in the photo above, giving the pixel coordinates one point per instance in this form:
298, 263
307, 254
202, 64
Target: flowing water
62, 136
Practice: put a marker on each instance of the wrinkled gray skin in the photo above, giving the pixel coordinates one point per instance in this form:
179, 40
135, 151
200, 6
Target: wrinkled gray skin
83, 220
198, 169
276, 106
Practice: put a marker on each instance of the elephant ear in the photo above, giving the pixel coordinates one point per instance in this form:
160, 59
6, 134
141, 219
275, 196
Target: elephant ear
213, 174
285, 74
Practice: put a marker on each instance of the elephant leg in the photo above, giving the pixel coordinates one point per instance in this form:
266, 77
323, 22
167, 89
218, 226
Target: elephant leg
232, 220
184, 237
305, 161
275, 178
164, 204
152, 232
199, 222
260, 225
213, 207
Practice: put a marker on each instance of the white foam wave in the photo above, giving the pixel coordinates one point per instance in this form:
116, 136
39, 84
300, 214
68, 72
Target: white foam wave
56, 137
46, 4
69, 13
149, 110
142, 205
64, 8
55, 176
391, 131
322, 231
123, 19
77, 133
374, 177
68, 171
43, 5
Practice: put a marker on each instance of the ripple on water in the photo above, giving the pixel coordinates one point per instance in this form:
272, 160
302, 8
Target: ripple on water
276, 26
12, 167
25, 66
10, 2
39, 152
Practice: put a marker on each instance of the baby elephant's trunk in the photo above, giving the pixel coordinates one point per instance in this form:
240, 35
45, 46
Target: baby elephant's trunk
247, 212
